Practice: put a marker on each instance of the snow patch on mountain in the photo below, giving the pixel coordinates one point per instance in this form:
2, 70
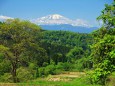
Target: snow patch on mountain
57, 19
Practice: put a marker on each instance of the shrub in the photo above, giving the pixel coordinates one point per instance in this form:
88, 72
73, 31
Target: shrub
50, 69
32, 66
59, 66
44, 71
57, 71
41, 71
7, 77
99, 76
54, 69
5, 67
67, 66
23, 74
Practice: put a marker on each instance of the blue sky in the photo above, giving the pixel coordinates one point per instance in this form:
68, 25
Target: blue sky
74, 9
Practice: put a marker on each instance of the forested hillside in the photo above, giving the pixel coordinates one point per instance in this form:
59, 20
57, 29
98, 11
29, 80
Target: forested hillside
63, 43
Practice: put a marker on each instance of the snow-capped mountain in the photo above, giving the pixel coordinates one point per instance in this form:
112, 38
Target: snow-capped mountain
57, 19
58, 22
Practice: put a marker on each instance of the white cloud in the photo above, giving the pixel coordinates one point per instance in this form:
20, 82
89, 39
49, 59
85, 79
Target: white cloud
81, 22
2, 18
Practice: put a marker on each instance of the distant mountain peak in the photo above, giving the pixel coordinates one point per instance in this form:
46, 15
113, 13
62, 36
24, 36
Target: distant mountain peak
57, 19
55, 16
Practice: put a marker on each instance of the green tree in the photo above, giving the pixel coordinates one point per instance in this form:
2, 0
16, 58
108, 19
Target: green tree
74, 54
103, 50
57, 57
16, 36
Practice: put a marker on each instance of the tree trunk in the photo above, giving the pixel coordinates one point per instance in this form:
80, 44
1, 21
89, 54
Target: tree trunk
49, 60
14, 68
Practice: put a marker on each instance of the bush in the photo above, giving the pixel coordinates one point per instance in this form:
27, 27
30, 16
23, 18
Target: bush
67, 66
83, 64
59, 66
41, 71
7, 77
99, 76
50, 69
44, 71
32, 66
54, 69
5, 67
79, 65
23, 74
57, 71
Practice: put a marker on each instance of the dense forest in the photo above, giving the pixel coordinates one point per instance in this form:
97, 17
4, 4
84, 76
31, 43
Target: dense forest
28, 52
66, 45
29, 47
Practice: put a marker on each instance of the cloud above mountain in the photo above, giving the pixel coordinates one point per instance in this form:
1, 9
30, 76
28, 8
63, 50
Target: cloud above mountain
2, 18
59, 19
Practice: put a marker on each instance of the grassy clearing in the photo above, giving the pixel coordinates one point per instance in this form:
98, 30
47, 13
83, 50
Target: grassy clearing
66, 79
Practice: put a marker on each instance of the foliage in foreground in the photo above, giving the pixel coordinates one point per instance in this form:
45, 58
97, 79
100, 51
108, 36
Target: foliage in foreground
17, 43
103, 50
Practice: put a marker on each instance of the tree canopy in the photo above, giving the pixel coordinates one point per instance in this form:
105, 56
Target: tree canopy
16, 37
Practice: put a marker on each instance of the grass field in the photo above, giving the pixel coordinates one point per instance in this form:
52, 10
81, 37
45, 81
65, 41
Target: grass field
65, 79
